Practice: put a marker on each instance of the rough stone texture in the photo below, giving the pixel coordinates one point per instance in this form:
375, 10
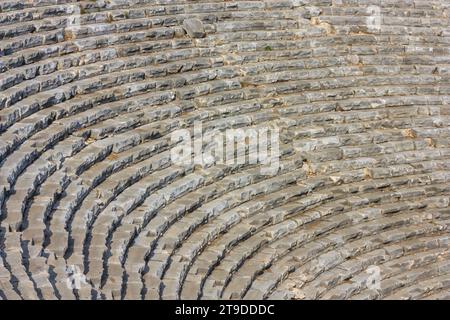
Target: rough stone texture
89, 194
194, 28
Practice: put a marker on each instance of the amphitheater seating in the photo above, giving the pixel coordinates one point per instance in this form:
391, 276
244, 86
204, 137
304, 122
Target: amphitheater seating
93, 205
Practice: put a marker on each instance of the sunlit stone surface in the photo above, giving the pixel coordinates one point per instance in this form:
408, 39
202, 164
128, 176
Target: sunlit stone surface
94, 207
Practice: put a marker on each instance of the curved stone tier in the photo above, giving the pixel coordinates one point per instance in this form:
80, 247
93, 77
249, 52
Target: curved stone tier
93, 205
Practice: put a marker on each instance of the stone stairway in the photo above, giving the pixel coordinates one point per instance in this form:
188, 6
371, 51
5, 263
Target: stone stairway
93, 205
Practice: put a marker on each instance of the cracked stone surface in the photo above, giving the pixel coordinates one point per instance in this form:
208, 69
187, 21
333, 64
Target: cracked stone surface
93, 205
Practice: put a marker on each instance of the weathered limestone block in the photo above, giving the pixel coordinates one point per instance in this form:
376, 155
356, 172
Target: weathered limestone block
194, 28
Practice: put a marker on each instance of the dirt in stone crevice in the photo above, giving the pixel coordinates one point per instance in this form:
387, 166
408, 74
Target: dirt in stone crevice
329, 29
308, 167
